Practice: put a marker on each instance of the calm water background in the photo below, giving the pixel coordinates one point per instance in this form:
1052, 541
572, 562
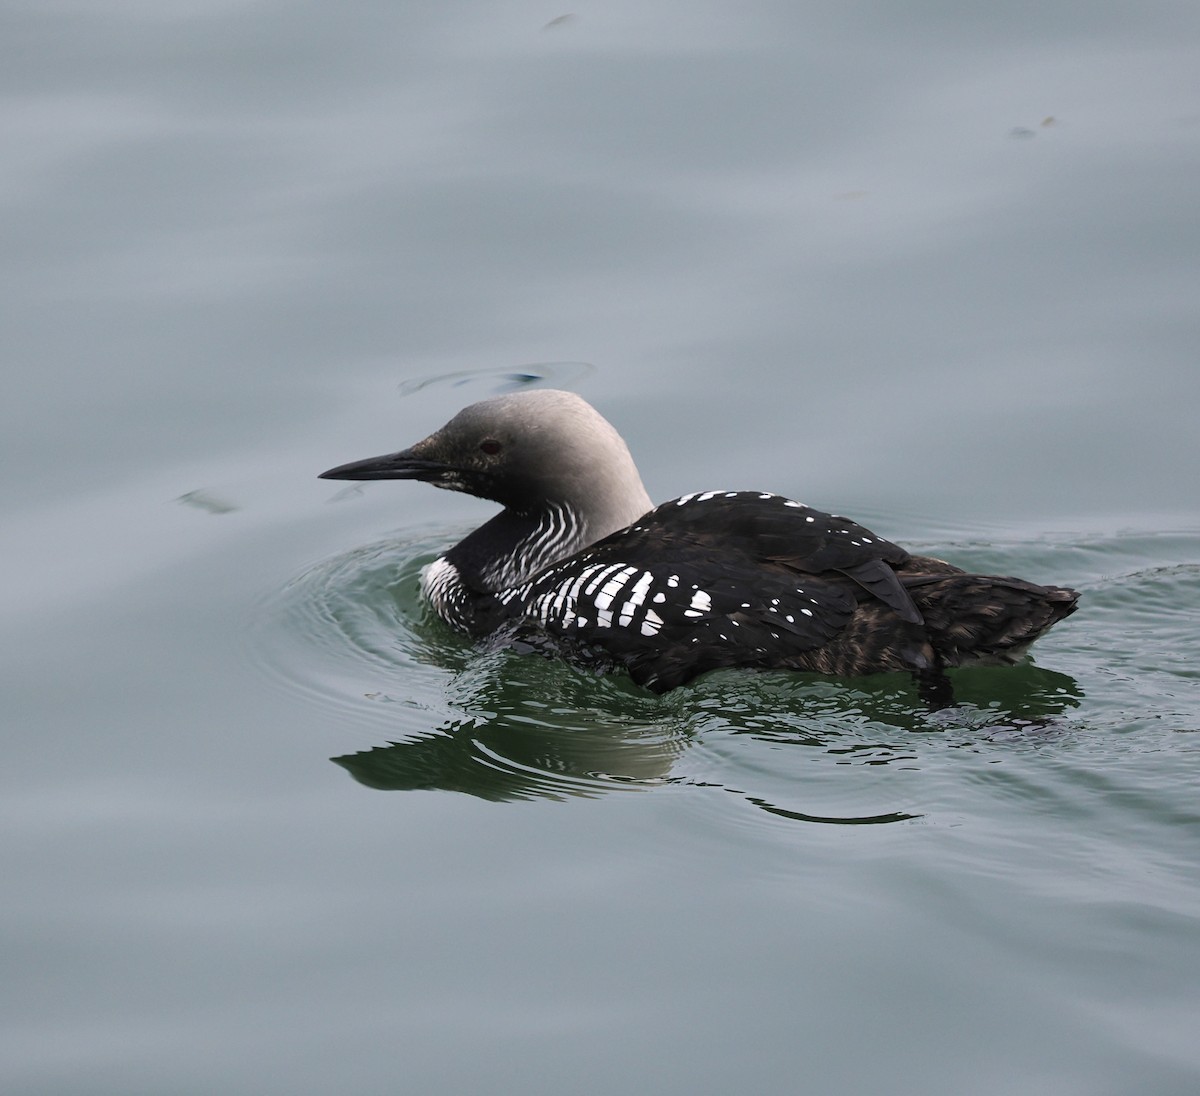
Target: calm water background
932, 266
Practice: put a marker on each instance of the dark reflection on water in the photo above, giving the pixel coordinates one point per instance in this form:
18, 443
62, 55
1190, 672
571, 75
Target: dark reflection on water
807, 709
524, 728
529, 728
503, 760
797, 816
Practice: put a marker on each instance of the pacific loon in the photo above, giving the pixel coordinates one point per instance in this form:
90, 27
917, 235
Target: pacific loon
581, 560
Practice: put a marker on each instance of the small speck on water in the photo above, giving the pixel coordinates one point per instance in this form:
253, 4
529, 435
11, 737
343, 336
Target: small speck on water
203, 500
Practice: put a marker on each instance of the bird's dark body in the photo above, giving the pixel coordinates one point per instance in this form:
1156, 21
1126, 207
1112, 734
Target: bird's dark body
748, 579
577, 561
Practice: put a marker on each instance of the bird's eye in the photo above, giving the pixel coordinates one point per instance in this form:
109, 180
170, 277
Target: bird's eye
490, 446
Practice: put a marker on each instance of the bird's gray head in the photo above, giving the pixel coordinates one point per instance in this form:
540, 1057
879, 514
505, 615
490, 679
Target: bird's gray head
526, 450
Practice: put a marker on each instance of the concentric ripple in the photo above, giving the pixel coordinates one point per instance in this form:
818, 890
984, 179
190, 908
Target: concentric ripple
497, 381
349, 628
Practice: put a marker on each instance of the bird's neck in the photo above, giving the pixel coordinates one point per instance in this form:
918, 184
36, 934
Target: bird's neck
513, 546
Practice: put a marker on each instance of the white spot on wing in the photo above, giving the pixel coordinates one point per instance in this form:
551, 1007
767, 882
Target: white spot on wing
613, 586
604, 573
636, 596
577, 586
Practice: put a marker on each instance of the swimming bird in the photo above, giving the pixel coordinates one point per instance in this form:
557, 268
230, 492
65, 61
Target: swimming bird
580, 561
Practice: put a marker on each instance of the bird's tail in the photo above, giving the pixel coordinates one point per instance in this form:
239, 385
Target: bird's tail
985, 618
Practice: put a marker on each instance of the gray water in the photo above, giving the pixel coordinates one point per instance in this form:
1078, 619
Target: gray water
929, 266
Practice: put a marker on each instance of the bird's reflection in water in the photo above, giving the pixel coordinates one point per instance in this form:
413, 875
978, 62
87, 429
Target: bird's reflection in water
526, 728
502, 760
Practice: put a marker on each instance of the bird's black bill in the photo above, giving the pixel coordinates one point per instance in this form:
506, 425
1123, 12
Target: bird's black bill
402, 465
